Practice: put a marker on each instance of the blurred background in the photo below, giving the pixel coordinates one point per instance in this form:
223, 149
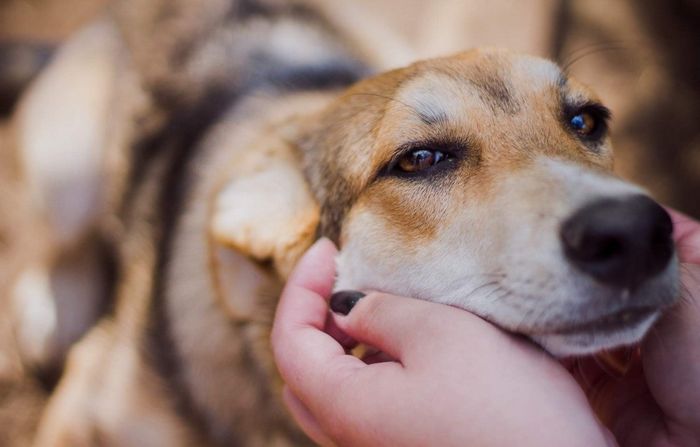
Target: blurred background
641, 56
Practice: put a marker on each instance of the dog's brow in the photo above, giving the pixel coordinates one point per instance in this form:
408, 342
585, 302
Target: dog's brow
430, 106
431, 116
427, 113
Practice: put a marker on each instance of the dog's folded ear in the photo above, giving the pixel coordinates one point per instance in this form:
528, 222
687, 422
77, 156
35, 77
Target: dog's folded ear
268, 214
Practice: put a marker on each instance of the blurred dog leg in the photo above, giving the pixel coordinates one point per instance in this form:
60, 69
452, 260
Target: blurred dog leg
59, 133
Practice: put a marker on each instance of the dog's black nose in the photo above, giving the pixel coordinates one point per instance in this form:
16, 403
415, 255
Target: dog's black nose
620, 242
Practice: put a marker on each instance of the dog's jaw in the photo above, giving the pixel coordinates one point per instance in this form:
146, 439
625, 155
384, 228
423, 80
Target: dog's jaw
585, 343
624, 327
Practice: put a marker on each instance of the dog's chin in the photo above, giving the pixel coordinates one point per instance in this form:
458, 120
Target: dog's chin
621, 329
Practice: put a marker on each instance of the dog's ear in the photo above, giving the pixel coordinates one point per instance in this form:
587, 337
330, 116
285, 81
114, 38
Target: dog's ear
268, 214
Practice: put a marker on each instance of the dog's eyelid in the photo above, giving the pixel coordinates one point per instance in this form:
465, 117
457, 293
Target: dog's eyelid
451, 151
600, 111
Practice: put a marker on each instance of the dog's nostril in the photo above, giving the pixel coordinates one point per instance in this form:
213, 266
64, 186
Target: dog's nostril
606, 248
584, 245
620, 242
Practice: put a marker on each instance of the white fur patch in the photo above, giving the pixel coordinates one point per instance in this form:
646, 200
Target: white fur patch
434, 96
538, 73
35, 311
266, 214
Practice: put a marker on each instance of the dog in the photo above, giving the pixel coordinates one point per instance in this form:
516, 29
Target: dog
208, 146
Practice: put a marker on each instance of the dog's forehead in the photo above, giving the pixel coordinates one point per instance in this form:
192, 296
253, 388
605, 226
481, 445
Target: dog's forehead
501, 80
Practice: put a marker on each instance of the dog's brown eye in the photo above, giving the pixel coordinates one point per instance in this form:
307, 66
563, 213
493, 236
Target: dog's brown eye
589, 122
420, 159
584, 123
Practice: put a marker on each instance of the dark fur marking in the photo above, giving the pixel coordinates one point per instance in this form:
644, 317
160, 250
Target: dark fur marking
333, 193
180, 137
562, 81
328, 75
185, 49
241, 11
245, 9
332, 217
496, 92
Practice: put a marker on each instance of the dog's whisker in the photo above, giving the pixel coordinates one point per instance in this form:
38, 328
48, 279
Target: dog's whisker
519, 327
506, 294
686, 298
478, 288
491, 293
585, 48
604, 49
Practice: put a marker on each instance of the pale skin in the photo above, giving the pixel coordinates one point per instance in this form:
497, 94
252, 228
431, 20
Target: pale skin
454, 379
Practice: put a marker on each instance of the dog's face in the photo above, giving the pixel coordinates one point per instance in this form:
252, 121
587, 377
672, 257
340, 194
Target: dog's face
483, 181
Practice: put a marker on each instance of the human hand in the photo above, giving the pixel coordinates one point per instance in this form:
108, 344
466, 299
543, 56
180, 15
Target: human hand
455, 379
657, 402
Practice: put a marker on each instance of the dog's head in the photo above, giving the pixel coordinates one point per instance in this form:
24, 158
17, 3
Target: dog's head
484, 181
481, 181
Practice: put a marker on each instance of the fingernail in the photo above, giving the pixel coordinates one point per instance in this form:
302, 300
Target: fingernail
342, 302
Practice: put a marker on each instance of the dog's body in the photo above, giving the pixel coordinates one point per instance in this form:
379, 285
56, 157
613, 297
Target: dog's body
207, 379
217, 143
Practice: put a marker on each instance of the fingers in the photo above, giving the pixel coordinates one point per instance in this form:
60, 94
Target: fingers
341, 337
407, 329
302, 303
303, 352
386, 322
316, 269
686, 233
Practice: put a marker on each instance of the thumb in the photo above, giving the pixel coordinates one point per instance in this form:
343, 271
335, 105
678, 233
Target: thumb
404, 328
686, 233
